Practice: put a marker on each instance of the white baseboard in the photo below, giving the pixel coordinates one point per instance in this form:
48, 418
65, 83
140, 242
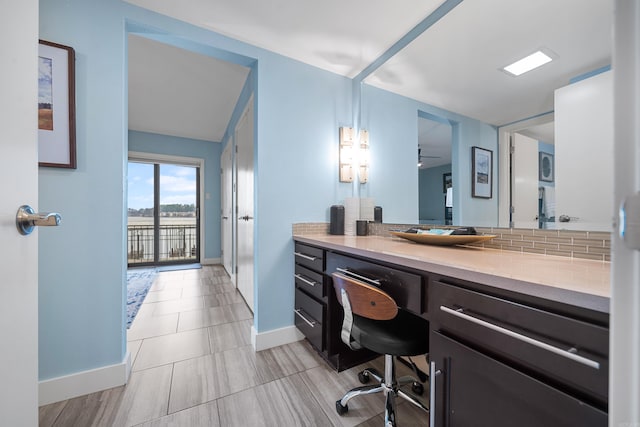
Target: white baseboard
274, 338
81, 383
211, 261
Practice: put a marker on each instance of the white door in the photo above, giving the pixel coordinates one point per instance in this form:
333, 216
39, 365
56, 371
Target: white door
525, 182
226, 223
624, 371
19, 177
245, 221
584, 148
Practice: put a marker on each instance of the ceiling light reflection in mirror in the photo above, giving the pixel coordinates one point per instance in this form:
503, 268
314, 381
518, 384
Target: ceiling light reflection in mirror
455, 64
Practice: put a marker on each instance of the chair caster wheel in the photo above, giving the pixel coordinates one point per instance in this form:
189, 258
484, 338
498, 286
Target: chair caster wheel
341, 410
417, 388
364, 377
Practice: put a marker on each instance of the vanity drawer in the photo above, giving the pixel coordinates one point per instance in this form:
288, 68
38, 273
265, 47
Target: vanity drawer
309, 317
405, 288
564, 351
309, 256
310, 281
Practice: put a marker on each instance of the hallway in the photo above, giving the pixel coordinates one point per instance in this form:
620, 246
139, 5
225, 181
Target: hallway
193, 365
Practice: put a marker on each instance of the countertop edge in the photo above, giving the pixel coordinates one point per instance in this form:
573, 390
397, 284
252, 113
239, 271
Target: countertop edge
588, 301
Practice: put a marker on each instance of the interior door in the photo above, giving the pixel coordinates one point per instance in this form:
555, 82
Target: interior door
624, 376
19, 254
245, 221
584, 118
226, 190
525, 182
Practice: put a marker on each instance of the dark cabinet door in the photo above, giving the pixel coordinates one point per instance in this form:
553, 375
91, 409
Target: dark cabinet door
474, 389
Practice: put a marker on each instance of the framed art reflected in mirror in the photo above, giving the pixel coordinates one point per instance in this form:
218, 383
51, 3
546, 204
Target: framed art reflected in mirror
545, 167
481, 173
446, 181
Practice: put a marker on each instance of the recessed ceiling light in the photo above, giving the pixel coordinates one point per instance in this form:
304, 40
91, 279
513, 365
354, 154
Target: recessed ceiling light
528, 63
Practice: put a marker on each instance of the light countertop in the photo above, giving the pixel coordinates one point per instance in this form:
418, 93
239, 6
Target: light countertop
579, 282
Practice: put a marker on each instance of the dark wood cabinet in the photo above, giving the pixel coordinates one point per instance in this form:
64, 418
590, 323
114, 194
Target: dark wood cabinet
504, 363
505, 358
475, 389
318, 314
310, 308
405, 287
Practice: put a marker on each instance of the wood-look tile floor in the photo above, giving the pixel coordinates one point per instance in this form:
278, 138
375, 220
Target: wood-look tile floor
193, 365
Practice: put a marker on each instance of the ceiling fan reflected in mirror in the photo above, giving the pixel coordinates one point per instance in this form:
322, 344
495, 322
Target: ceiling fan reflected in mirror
420, 157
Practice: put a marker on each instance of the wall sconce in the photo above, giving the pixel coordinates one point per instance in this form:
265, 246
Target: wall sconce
364, 156
347, 139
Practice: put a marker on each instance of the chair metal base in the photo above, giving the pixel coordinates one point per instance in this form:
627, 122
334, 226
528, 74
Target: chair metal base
388, 385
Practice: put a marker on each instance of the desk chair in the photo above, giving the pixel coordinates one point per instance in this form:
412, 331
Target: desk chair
373, 320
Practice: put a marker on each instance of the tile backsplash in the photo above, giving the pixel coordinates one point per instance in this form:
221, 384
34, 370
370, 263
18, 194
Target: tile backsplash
594, 245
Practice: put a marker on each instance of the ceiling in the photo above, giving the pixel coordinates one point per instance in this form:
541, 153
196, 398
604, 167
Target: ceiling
176, 92
455, 64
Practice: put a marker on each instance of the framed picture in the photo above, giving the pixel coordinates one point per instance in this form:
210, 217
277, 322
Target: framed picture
481, 173
56, 106
545, 167
446, 181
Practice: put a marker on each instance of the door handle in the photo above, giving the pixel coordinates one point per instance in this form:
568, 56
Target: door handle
629, 222
569, 354
245, 218
27, 219
433, 373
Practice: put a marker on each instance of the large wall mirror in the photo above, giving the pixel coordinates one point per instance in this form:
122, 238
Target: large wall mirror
455, 66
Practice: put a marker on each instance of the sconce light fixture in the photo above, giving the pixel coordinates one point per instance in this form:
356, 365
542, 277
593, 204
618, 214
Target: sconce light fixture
347, 138
364, 156
352, 155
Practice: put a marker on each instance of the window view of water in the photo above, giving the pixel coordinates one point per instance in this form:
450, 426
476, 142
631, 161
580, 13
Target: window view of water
176, 235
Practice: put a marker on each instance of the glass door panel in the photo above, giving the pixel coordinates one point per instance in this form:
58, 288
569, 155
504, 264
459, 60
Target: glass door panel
140, 215
178, 231
163, 221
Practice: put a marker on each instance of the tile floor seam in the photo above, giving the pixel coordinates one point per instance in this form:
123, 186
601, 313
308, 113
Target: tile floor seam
55, 421
206, 329
173, 369
173, 362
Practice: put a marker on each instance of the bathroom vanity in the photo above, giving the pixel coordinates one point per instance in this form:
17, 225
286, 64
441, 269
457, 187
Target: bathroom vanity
515, 339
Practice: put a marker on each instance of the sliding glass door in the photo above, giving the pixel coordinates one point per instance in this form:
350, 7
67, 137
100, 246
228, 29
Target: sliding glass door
163, 224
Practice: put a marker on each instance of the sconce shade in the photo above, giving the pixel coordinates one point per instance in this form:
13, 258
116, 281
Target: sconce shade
448, 201
364, 156
345, 167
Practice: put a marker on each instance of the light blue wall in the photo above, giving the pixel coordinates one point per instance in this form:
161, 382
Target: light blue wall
82, 263
431, 196
392, 121
208, 151
82, 266
299, 109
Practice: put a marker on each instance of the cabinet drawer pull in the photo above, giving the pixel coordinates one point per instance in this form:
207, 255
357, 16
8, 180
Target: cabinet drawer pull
433, 373
301, 255
304, 280
312, 324
512, 334
348, 272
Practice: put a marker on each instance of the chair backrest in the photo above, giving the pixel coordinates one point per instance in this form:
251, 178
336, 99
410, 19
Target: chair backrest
365, 300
